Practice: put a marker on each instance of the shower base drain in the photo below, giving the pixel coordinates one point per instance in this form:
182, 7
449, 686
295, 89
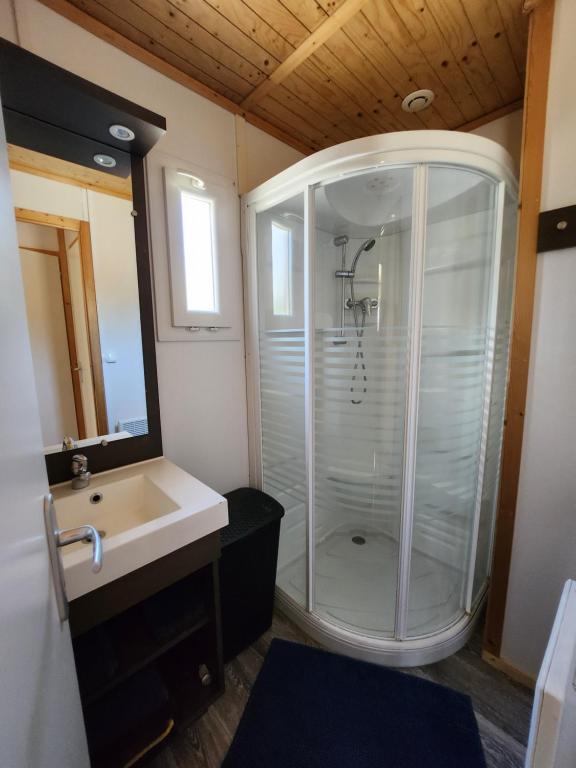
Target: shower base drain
358, 540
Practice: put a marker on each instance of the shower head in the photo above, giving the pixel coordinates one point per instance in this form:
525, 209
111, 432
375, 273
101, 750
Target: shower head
367, 245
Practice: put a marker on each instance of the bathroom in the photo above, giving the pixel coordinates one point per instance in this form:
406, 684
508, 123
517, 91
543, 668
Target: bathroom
198, 75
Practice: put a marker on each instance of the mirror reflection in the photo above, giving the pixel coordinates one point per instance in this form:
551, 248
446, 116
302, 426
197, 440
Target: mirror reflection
78, 259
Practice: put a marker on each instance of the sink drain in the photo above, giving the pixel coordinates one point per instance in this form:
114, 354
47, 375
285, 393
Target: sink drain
358, 540
96, 497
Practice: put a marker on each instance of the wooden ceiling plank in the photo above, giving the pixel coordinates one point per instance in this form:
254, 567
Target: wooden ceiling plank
327, 62
310, 44
300, 88
279, 17
388, 26
516, 26
361, 34
129, 12
200, 12
331, 91
256, 28
312, 115
287, 127
38, 164
387, 98
281, 105
309, 12
458, 33
127, 31
489, 29
187, 28
141, 53
424, 30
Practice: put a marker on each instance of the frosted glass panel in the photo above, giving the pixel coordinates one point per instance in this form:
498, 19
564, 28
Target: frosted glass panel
456, 337
360, 376
281, 343
497, 398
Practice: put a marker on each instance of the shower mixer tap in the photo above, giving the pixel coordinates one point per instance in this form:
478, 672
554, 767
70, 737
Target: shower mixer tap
366, 304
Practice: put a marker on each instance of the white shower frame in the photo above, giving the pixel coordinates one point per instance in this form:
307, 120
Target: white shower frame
417, 149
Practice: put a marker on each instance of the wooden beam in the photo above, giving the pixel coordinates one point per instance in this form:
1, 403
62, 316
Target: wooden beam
48, 167
501, 112
47, 219
71, 334
91, 312
307, 48
536, 94
45, 251
100, 30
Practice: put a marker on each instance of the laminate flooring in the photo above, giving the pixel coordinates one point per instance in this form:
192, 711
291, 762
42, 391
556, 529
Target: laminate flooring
502, 706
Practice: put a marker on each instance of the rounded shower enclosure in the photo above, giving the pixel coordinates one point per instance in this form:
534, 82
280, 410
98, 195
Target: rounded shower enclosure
379, 281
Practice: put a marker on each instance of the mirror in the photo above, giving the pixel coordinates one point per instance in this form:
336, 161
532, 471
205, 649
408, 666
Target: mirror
76, 154
78, 258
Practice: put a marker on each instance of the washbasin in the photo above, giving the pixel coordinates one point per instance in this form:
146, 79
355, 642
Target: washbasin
114, 507
142, 512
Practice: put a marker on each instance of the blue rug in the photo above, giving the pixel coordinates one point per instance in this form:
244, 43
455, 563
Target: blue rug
314, 709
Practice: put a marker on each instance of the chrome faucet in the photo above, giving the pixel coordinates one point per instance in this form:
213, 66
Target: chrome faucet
81, 477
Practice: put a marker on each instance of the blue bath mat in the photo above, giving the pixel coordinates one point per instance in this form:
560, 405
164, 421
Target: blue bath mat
313, 709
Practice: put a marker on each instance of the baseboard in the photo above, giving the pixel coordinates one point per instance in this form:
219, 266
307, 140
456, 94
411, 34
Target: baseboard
503, 666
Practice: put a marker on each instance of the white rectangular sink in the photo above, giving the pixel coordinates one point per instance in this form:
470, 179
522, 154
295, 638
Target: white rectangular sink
143, 512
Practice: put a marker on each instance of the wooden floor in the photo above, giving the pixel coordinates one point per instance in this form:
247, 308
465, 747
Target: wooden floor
502, 706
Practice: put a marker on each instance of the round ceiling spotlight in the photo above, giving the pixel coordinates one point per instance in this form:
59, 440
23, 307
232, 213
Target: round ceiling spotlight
418, 100
106, 161
122, 133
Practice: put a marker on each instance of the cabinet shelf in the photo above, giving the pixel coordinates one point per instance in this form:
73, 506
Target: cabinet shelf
109, 654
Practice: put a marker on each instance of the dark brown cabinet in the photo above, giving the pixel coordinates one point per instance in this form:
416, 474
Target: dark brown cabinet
148, 651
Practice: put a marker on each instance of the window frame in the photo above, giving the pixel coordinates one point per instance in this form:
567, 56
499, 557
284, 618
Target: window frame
289, 267
202, 185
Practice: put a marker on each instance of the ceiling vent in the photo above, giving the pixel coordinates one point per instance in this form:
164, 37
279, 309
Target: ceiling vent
418, 100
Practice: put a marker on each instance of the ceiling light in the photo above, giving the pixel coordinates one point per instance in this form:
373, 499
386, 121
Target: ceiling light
106, 161
418, 100
122, 133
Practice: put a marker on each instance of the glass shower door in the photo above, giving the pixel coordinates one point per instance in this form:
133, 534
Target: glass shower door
280, 275
456, 339
362, 271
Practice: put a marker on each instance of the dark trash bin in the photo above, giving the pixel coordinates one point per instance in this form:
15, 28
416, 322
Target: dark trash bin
248, 567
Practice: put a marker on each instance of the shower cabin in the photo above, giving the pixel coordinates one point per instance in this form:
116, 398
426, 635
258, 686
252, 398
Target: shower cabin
379, 287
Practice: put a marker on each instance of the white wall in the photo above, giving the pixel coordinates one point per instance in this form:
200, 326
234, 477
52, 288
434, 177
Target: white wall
116, 282
544, 551
507, 131
202, 385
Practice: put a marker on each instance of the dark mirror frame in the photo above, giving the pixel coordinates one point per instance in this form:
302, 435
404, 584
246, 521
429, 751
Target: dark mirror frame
36, 93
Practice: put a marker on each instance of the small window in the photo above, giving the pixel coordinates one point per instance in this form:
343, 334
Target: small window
199, 253
199, 210
281, 269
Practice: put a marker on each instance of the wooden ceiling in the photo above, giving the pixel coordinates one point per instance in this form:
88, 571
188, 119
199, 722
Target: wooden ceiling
319, 72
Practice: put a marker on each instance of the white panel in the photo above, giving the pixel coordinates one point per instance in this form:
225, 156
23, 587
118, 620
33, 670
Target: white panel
48, 196
41, 724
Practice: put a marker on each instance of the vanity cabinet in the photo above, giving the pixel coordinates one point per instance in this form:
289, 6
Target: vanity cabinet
148, 651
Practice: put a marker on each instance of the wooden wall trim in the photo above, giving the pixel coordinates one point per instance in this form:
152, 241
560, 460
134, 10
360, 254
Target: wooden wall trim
48, 167
502, 112
535, 101
91, 314
46, 219
307, 48
71, 334
513, 672
100, 30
